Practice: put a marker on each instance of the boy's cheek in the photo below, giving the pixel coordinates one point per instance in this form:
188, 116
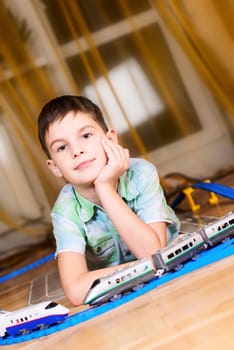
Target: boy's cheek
104, 150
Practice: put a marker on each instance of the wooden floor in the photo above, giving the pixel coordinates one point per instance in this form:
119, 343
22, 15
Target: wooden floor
194, 312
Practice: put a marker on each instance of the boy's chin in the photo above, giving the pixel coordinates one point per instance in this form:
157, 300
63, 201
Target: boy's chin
85, 184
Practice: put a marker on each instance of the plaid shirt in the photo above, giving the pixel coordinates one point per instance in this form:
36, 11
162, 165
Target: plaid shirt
84, 227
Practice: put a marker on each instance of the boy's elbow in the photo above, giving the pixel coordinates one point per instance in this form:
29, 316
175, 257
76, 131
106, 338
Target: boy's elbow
74, 299
74, 296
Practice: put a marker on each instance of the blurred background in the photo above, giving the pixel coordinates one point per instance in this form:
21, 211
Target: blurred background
161, 70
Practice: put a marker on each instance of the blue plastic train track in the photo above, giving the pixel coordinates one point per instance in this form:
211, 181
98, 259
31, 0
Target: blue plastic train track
207, 257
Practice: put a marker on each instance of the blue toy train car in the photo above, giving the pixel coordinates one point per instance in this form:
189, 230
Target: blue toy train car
29, 318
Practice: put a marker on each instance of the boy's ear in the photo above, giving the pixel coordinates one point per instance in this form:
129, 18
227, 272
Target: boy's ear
53, 168
112, 135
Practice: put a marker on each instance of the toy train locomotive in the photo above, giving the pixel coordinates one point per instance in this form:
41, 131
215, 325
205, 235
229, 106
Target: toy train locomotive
170, 258
110, 287
29, 318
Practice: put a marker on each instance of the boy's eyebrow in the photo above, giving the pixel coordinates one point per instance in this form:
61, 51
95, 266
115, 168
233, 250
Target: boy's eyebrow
54, 141
61, 139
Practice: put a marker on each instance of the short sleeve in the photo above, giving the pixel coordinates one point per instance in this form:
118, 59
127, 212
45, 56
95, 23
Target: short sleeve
150, 203
67, 234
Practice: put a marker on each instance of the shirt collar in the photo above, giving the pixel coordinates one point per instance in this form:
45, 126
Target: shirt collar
127, 187
85, 208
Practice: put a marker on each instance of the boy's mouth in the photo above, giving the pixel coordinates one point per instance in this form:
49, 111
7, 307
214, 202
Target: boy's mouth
84, 164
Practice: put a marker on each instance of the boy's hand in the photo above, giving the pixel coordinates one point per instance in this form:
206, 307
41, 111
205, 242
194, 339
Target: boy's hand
117, 163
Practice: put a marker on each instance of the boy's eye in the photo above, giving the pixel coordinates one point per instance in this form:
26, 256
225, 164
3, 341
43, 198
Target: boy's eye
61, 148
86, 135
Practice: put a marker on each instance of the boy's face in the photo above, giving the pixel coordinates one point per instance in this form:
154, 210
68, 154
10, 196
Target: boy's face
75, 147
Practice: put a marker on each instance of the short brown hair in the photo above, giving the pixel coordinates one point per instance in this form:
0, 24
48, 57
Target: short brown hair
58, 107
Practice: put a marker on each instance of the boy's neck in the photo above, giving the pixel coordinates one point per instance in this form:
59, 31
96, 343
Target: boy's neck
89, 193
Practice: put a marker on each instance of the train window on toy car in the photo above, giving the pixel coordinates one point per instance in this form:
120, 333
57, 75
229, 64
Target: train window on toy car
219, 228
231, 222
51, 305
123, 278
170, 256
225, 225
22, 320
185, 247
117, 280
178, 251
95, 283
26, 319
129, 275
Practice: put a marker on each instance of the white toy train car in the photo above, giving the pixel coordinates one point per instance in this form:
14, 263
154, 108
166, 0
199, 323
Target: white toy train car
219, 230
111, 286
173, 256
169, 258
29, 318
189, 245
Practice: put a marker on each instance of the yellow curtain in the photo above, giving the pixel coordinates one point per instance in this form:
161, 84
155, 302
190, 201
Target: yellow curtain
25, 85
205, 31
75, 10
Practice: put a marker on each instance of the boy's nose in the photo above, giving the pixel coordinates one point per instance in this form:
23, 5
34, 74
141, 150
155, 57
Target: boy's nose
77, 153
77, 150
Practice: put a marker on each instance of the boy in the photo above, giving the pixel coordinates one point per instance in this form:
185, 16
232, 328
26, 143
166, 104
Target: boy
112, 209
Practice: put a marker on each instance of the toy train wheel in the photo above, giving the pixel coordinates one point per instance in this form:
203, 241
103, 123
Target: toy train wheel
23, 331
178, 267
115, 297
225, 239
195, 257
41, 326
138, 286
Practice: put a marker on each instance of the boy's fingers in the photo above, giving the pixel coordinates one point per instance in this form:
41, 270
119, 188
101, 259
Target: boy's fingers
116, 153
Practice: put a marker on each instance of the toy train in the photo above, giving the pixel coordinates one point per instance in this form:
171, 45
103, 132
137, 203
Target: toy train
188, 246
170, 258
30, 318
104, 289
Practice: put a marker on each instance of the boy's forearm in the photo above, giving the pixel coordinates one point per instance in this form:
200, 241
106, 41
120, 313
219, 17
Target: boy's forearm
78, 289
141, 239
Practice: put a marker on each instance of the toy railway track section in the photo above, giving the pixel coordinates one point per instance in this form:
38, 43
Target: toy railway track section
191, 251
